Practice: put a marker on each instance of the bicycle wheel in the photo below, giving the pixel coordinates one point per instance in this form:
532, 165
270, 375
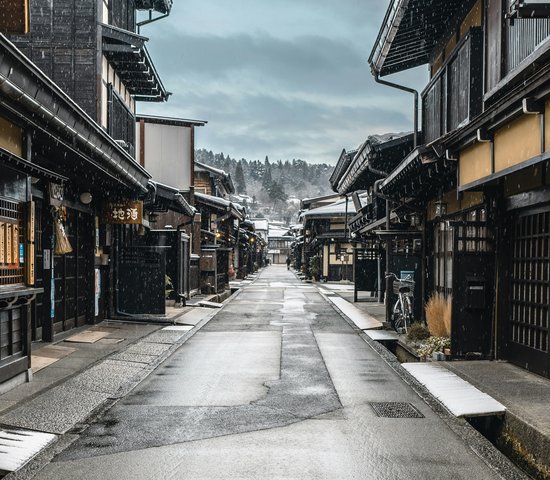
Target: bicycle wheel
397, 317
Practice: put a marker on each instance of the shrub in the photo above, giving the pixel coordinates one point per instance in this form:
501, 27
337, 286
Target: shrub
418, 331
438, 315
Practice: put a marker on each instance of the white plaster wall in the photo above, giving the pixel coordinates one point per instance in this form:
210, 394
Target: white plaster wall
168, 154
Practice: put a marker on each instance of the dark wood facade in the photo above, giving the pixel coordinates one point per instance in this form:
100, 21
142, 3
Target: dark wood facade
62, 42
479, 178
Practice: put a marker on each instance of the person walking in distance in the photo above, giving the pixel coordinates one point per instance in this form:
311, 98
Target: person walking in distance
288, 263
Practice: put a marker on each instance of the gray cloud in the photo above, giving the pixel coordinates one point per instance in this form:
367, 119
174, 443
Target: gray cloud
288, 80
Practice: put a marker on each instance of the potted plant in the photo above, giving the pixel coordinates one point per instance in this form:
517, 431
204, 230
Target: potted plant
168, 290
315, 267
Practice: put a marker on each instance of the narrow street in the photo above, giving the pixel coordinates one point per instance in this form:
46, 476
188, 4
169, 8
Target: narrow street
277, 385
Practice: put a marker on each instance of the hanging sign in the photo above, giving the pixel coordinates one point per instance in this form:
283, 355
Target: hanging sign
123, 212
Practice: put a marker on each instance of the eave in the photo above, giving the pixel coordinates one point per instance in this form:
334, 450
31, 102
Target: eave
18, 164
419, 176
32, 97
169, 198
372, 161
410, 31
127, 54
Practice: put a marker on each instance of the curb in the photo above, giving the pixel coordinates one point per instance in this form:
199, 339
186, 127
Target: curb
482, 447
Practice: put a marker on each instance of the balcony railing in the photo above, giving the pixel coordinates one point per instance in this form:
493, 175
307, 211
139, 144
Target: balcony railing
454, 95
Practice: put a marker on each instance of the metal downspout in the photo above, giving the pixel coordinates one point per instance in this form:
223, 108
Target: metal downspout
389, 243
377, 79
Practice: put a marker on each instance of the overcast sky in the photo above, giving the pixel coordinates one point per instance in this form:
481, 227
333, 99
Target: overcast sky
285, 78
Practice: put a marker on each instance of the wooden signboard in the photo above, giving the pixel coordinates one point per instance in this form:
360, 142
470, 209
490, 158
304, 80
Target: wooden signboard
7, 246
29, 254
30, 264
123, 212
15, 244
2, 242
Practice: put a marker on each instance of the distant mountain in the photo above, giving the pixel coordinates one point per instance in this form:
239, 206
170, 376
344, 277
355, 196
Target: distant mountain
274, 186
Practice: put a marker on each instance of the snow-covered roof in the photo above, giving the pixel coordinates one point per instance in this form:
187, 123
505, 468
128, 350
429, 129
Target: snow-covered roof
336, 209
277, 231
260, 224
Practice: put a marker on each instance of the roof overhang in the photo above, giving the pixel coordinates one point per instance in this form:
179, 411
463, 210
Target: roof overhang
419, 176
218, 205
221, 176
169, 198
127, 54
41, 105
172, 121
529, 9
341, 166
18, 164
410, 31
372, 161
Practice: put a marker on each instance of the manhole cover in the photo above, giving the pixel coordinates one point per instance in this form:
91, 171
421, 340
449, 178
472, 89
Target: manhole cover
395, 410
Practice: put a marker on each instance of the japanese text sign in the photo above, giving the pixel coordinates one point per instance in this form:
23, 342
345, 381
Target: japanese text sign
123, 212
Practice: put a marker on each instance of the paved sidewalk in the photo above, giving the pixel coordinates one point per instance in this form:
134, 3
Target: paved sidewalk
82, 374
525, 429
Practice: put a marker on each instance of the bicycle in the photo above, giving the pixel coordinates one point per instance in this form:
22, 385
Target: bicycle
402, 312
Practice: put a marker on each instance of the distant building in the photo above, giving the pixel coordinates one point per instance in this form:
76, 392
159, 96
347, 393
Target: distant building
279, 243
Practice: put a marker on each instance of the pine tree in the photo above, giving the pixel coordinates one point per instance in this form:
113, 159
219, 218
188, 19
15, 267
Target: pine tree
240, 183
267, 180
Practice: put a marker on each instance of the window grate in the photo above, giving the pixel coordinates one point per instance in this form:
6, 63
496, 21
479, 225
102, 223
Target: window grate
11, 237
530, 281
9, 209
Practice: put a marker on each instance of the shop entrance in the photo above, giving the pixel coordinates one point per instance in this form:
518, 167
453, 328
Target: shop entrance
74, 274
472, 284
526, 294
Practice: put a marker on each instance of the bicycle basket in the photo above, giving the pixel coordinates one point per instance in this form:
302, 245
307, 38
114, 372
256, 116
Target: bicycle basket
403, 286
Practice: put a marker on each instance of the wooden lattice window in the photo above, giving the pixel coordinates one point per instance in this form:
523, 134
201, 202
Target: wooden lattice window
474, 235
530, 281
11, 238
443, 256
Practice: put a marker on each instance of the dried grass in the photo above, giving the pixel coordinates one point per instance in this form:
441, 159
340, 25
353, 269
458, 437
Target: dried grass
438, 315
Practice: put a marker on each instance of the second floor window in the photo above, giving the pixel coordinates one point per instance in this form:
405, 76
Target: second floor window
121, 122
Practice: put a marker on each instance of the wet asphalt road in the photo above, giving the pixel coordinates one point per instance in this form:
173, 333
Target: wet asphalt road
276, 386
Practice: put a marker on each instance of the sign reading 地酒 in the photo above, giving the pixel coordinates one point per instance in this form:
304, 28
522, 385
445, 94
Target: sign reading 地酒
123, 212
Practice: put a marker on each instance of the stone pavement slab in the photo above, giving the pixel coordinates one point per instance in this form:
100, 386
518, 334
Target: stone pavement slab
194, 316
460, 397
55, 411
362, 319
88, 336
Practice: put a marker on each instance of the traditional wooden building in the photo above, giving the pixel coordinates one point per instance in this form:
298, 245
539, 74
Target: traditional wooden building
97, 60
166, 148
220, 224
61, 170
480, 168
358, 174
279, 240
327, 249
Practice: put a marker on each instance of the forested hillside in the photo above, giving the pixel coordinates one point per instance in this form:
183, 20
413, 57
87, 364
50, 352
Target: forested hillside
274, 185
